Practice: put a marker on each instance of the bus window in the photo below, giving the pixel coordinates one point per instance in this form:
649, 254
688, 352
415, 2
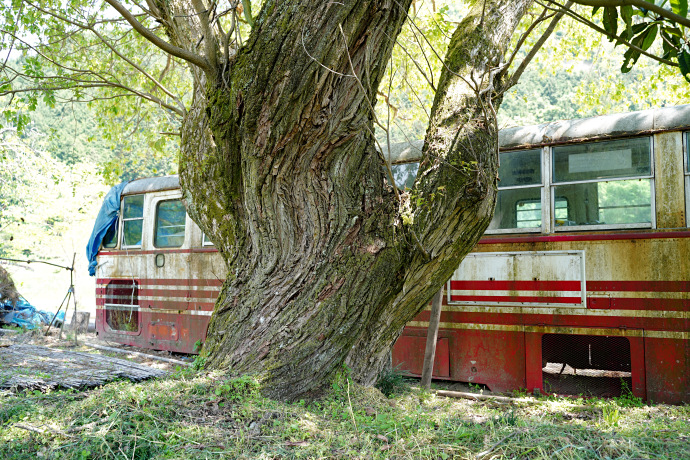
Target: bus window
519, 200
560, 210
110, 237
605, 183
132, 220
170, 224
528, 212
405, 174
205, 241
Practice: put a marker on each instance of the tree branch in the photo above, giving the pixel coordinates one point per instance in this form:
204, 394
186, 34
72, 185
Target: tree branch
523, 38
181, 53
641, 4
537, 46
602, 31
210, 44
247, 8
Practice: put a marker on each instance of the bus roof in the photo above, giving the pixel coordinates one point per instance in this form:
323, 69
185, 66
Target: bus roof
603, 127
567, 131
152, 184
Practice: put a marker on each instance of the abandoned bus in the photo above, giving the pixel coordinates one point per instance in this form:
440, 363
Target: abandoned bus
580, 285
157, 275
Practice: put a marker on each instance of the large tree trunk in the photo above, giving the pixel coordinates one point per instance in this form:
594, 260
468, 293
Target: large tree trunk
279, 168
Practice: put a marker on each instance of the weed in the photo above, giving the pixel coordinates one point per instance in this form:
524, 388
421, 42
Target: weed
476, 387
507, 419
520, 393
627, 399
392, 382
237, 389
610, 416
199, 363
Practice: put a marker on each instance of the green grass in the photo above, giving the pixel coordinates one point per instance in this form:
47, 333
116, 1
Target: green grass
198, 416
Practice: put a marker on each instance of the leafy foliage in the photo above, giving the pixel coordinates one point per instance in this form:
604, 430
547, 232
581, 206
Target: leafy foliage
642, 27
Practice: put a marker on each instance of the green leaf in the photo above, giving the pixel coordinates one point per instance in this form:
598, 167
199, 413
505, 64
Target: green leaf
684, 63
650, 37
667, 45
626, 14
675, 31
637, 28
610, 20
680, 7
630, 55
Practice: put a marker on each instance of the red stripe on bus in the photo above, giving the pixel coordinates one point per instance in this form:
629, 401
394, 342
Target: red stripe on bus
167, 282
639, 286
176, 305
138, 252
580, 237
514, 299
179, 294
167, 304
514, 285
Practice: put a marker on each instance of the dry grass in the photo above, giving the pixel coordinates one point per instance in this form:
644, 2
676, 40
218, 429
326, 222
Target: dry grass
207, 416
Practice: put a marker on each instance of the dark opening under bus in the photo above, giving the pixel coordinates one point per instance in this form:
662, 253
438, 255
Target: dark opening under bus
586, 365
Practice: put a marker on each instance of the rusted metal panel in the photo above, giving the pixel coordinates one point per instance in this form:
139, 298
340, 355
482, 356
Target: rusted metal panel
406, 356
666, 361
493, 358
520, 278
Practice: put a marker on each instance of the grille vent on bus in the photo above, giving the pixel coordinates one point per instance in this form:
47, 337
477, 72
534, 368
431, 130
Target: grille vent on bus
587, 365
122, 305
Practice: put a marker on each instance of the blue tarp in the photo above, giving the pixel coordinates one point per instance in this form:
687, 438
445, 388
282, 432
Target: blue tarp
25, 315
107, 217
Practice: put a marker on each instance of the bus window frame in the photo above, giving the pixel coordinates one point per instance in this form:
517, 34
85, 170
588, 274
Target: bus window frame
205, 241
552, 186
542, 196
156, 205
123, 220
685, 145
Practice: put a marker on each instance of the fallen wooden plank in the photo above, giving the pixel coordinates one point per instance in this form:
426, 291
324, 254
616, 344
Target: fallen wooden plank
36, 367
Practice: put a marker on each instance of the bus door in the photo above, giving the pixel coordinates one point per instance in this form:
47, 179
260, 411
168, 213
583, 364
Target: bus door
168, 272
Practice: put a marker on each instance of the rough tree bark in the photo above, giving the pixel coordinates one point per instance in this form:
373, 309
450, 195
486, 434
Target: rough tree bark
279, 167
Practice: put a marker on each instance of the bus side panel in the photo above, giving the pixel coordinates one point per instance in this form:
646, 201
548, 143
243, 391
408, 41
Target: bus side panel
407, 356
175, 332
666, 361
494, 358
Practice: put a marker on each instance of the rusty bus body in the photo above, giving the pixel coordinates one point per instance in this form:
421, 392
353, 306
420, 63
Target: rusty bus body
157, 277
582, 277
585, 267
